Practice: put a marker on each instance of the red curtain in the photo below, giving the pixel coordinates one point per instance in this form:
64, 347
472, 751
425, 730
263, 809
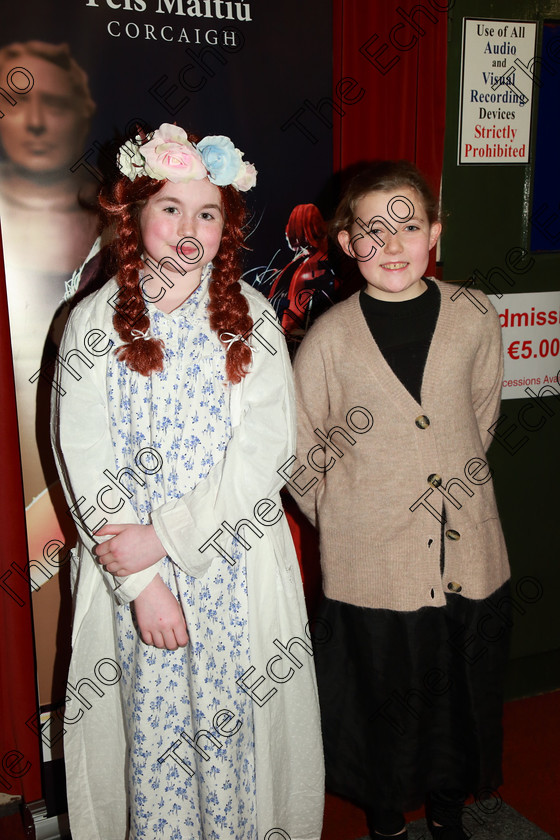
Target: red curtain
19, 744
389, 64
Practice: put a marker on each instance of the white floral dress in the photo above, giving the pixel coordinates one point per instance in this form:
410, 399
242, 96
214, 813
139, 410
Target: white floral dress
183, 414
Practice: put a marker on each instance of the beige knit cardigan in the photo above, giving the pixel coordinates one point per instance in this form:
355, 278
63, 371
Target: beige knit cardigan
374, 467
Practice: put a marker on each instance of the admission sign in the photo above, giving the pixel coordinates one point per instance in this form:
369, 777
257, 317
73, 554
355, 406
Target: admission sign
496, 91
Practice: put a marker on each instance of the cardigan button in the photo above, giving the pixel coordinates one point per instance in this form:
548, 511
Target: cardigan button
422, 422
435, 480
454, 587
452, 535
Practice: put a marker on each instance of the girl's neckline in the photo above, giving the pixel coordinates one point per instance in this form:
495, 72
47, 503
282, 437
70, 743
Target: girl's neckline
399, 308
369, 358
191, 303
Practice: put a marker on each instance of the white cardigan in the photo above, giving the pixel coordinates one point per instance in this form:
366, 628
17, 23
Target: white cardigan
289, 765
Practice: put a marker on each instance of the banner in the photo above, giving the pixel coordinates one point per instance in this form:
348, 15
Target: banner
77, 77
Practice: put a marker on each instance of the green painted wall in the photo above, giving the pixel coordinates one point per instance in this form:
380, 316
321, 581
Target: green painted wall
487, 211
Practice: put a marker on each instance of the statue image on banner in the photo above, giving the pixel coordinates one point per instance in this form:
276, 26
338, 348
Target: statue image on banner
48, 225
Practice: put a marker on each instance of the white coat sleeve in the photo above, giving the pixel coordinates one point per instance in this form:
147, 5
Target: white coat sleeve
262, 441
83, 449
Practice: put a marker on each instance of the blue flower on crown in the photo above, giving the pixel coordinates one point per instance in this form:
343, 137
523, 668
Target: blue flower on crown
222, 160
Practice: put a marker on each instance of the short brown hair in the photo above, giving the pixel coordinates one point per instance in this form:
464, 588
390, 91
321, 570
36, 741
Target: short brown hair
382, 176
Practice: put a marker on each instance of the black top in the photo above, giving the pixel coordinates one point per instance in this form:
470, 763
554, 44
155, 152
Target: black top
403, 331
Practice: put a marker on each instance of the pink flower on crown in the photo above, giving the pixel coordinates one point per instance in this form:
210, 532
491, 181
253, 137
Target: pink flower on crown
169, 154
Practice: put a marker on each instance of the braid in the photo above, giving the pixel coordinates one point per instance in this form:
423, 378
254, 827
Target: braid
144, 355
228, 308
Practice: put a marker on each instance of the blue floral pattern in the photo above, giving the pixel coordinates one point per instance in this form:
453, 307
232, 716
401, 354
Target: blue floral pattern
207, 791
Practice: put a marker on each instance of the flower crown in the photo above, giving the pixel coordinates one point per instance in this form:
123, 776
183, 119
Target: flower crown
169, 154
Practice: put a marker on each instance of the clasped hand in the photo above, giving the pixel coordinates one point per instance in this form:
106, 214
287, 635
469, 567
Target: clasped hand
131, 549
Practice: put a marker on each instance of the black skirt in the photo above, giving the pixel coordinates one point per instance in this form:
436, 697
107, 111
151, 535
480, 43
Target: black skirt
411, 702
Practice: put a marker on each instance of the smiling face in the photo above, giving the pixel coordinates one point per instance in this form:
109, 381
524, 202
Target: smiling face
189, 213
44, 132
392, 255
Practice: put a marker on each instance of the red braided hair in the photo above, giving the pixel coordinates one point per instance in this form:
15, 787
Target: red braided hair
123, 205
228, 308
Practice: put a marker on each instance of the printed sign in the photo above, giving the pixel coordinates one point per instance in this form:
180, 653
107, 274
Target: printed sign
496, 91
531, 336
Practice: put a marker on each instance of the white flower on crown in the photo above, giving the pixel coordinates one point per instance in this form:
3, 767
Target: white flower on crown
129, 159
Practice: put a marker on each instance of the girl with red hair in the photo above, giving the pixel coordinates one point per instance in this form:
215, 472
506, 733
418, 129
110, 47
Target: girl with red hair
172, 418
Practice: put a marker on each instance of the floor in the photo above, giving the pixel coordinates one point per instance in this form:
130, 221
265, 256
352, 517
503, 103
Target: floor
531, 773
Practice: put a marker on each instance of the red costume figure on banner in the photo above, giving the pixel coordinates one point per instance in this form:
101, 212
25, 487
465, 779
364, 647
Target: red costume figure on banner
304, 288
